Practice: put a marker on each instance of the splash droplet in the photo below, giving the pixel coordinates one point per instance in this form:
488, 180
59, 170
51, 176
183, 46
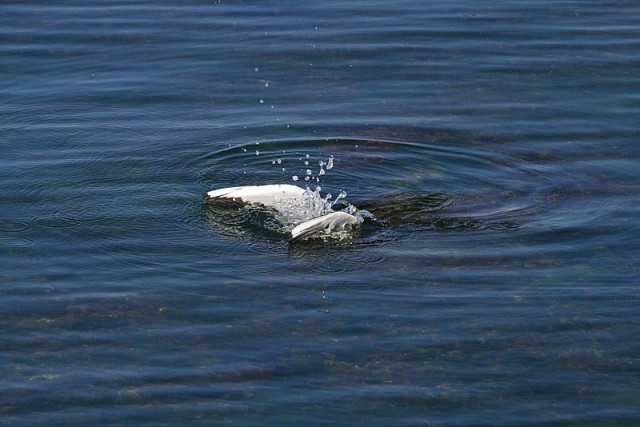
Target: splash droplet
330, 163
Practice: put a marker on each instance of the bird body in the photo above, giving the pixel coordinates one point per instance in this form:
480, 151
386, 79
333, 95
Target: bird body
277, 196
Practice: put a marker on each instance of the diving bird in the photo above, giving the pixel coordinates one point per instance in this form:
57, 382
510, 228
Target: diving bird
273, 196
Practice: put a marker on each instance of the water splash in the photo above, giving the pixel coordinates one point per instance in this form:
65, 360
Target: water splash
313, 204
330, 163
284, 215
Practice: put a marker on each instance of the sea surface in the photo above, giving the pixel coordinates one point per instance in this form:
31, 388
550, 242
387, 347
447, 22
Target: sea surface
496, 145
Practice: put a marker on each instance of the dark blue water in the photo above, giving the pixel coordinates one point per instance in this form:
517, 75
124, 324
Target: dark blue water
496, 145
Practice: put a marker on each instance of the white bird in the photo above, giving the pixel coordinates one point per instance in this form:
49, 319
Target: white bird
272, 196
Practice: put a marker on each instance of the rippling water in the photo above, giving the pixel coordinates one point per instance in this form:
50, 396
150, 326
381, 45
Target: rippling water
495, 144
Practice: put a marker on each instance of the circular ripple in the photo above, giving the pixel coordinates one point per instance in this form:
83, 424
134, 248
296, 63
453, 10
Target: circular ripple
319, 257
16, 242
58, 222
433, 181
11, 226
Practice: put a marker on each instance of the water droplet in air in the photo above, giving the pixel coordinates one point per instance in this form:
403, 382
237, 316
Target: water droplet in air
306, 163
279, 161
294, 177
257, 153
262, 101
308, 172
330, 163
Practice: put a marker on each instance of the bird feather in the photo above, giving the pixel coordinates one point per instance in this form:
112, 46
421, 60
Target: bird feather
328, 222
267, 195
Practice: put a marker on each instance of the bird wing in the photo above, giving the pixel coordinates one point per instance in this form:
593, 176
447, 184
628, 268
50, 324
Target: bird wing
267, 195
325, 222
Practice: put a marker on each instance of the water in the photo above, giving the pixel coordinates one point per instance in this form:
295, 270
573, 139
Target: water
495, 144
